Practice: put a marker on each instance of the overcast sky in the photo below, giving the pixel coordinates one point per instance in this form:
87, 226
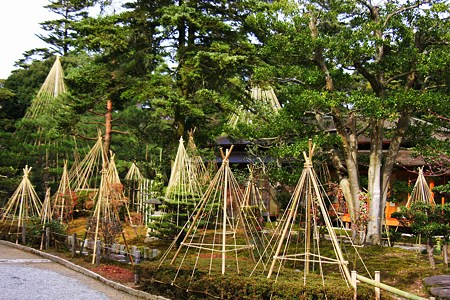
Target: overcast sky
19, 24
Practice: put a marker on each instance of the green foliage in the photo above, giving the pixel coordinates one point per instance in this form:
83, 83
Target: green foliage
426, 219
61, 34
235, 286
35, 231
398, 191
24, 84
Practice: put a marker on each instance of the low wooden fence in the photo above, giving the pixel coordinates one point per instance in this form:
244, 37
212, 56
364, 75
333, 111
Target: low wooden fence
82, 247
381, 286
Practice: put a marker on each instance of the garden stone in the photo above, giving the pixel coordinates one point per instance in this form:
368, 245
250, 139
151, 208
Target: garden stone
439, 286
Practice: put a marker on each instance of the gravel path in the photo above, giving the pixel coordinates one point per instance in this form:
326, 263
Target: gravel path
27, 276
26, 282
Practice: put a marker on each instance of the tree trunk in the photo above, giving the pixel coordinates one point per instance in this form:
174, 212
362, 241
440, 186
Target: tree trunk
108, 127
348, 133
374, 186
391, 156
430, 249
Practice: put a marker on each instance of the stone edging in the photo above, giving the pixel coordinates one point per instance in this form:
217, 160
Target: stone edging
86, 272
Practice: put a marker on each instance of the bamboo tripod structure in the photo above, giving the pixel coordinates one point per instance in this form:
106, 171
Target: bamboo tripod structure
214, 228
255, 215
110, 200
63, 199
85, 175
308, 201
23, 204
198, 167
183, 184
46, 214
421, 191
133, 190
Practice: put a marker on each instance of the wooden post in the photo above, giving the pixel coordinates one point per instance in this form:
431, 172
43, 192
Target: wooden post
24, 234
377, 289
98, 250
83, 241
137, 256
128, 250
355, 287
47, 238
74, 244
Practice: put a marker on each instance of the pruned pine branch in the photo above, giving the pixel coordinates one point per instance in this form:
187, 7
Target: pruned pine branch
84, 137
119, 131
95, 112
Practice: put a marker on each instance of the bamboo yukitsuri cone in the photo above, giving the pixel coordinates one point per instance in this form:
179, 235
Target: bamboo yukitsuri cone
421, 191
297, 241
23, 204
214, 239
64, 199
182, 195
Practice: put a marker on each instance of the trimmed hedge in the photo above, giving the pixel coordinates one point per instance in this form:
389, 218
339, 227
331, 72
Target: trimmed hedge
159, 281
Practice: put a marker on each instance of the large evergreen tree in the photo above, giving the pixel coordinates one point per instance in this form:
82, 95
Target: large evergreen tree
366, 69
60, 32
183, 63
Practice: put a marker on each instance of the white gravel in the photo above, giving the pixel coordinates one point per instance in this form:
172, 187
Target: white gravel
29, 283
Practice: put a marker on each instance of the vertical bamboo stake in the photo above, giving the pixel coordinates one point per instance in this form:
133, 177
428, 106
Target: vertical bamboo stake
20, 220
74, 245
128, 250
286, 227
308, 230
332, 234
98, 208
224, 220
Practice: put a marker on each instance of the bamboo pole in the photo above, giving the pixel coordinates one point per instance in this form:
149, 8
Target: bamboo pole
224, 219
308, 225
332, 234
98, 208
286, 226
389, 288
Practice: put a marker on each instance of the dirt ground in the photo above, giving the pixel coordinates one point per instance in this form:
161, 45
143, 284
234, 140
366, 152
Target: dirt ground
115, 273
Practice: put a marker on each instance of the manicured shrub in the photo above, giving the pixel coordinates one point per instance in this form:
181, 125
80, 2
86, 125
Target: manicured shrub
241, 287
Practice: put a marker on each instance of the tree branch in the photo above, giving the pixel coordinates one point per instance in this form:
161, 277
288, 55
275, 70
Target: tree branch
295, 80
367, 126
118, 131
95, 113
398, 76
94, 123
402, 9
84, 137
370, 77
